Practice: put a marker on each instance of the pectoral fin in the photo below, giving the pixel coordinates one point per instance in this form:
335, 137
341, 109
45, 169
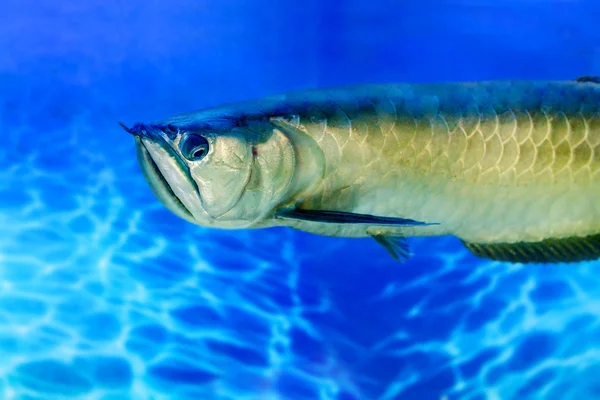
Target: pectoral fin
573, 249
339, 217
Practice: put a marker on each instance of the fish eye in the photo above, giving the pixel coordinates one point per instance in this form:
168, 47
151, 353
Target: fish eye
194, 147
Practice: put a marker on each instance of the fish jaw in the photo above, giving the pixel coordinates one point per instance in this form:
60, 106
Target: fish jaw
159, 186
180, 182
167, 174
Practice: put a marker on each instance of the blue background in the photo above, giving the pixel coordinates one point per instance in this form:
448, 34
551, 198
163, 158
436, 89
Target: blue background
107, 295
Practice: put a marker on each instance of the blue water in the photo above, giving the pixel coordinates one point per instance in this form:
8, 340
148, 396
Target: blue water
107, 295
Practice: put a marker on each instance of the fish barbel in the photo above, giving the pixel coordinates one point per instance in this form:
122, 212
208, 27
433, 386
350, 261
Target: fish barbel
511, 168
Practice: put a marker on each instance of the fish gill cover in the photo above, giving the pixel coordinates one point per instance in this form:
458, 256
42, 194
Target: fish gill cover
107, 295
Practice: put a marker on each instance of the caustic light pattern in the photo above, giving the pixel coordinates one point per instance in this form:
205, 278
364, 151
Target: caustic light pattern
106, 295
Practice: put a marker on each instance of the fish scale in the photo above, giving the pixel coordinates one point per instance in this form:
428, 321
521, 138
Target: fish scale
444, 159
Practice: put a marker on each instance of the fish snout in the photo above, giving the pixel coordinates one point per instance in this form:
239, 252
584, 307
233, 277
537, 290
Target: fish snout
147, 131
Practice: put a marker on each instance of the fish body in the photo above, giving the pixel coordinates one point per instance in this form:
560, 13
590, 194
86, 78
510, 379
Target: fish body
511, 168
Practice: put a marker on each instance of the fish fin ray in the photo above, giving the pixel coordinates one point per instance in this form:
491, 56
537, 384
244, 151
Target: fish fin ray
587, 78
340, 217
397, 246
572, 249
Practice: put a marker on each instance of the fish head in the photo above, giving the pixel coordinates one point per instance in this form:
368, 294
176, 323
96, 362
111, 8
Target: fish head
216, 174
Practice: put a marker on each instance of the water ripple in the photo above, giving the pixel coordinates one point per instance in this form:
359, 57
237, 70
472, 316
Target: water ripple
106, 295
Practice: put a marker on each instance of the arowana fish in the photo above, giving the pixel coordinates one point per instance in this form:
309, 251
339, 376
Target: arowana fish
511, 168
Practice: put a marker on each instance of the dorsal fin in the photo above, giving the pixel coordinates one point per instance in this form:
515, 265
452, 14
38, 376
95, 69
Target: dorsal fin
587, 78
573, 249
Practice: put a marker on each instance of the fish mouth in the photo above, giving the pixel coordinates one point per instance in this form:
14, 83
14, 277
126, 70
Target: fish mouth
157, 181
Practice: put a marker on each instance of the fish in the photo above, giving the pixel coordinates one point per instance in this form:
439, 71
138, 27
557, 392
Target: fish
510, 168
